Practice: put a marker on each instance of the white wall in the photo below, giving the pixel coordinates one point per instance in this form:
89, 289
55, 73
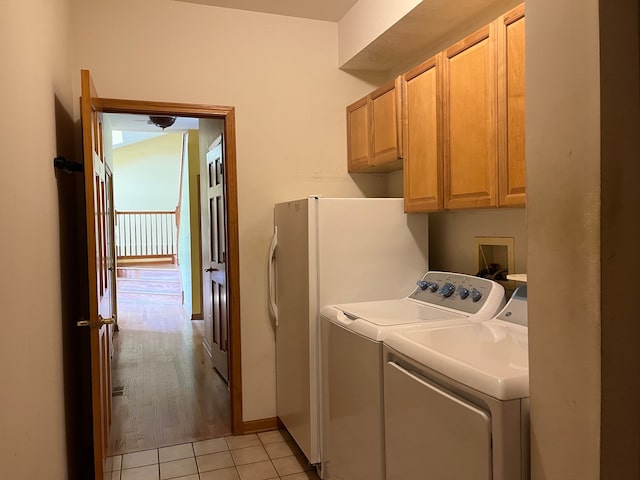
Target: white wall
281, 75
35, 126
563, 208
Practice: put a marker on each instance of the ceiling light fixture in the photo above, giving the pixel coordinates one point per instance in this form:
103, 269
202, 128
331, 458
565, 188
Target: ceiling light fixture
161, 121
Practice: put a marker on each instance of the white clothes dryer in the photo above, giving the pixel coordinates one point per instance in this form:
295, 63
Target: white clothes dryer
352, 363
456, 399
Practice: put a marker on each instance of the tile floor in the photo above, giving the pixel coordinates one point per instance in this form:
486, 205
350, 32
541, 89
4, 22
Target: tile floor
262, 456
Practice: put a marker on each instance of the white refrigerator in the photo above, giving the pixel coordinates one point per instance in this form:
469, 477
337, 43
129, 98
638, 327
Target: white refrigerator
327, 251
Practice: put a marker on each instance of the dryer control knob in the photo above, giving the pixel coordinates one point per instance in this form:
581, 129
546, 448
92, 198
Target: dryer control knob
476, 295
433, 286
447, 290
422, 284
463, 292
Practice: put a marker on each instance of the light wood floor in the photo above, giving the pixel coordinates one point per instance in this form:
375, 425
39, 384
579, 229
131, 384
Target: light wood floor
172, 394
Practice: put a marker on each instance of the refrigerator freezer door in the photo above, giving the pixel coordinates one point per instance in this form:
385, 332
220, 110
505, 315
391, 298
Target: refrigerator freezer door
332, 251
293, 385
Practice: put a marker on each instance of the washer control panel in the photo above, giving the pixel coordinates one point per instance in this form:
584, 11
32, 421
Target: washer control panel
457, 291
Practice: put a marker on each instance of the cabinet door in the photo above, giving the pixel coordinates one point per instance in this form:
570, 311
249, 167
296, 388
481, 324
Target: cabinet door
512, 175
470, 122
385, 125
422, 137
358, 127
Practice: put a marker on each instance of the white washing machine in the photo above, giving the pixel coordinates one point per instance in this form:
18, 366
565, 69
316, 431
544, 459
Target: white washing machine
352, 363
456, 400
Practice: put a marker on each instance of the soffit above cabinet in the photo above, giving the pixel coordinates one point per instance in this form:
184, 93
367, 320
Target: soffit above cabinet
330, 10
427, 28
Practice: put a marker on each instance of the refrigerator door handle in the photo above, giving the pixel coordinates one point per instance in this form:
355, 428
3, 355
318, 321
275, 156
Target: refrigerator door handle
273, 308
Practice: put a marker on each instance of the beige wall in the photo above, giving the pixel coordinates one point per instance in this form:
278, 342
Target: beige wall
563, 207
452, 237
281, 75
35, 127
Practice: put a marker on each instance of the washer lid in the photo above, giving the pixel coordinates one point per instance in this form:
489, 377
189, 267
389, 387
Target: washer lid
376, 320
396, 312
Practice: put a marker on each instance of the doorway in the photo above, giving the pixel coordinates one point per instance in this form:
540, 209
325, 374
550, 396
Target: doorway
150, 346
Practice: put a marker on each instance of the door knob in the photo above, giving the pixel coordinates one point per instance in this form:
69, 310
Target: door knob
106, 321
101, 321
210, 269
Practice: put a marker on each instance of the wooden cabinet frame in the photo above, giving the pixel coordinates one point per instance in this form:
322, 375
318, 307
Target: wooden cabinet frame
511, 113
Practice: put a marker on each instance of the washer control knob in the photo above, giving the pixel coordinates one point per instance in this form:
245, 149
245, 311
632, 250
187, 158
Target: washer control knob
422, 284
433, 286
476, 295
447, 290
463, 292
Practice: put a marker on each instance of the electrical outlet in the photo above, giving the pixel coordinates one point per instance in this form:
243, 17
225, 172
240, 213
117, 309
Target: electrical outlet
498, 252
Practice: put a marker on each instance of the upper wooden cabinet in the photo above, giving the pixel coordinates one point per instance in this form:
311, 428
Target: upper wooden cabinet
422, 137
457, 121
358, 135
469, 109
463, 125
386, 118
511, 83
374, 130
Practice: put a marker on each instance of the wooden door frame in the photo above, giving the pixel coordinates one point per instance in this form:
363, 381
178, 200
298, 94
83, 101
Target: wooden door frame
226, 113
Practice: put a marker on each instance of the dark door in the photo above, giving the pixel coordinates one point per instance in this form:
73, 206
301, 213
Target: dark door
214, 242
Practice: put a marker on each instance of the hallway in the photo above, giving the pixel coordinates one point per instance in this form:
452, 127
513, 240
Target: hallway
165, 390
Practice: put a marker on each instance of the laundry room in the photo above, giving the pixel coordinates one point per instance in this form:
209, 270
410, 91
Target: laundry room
332, 111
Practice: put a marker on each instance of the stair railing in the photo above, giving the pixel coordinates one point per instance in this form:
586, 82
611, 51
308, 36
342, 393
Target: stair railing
146, 235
